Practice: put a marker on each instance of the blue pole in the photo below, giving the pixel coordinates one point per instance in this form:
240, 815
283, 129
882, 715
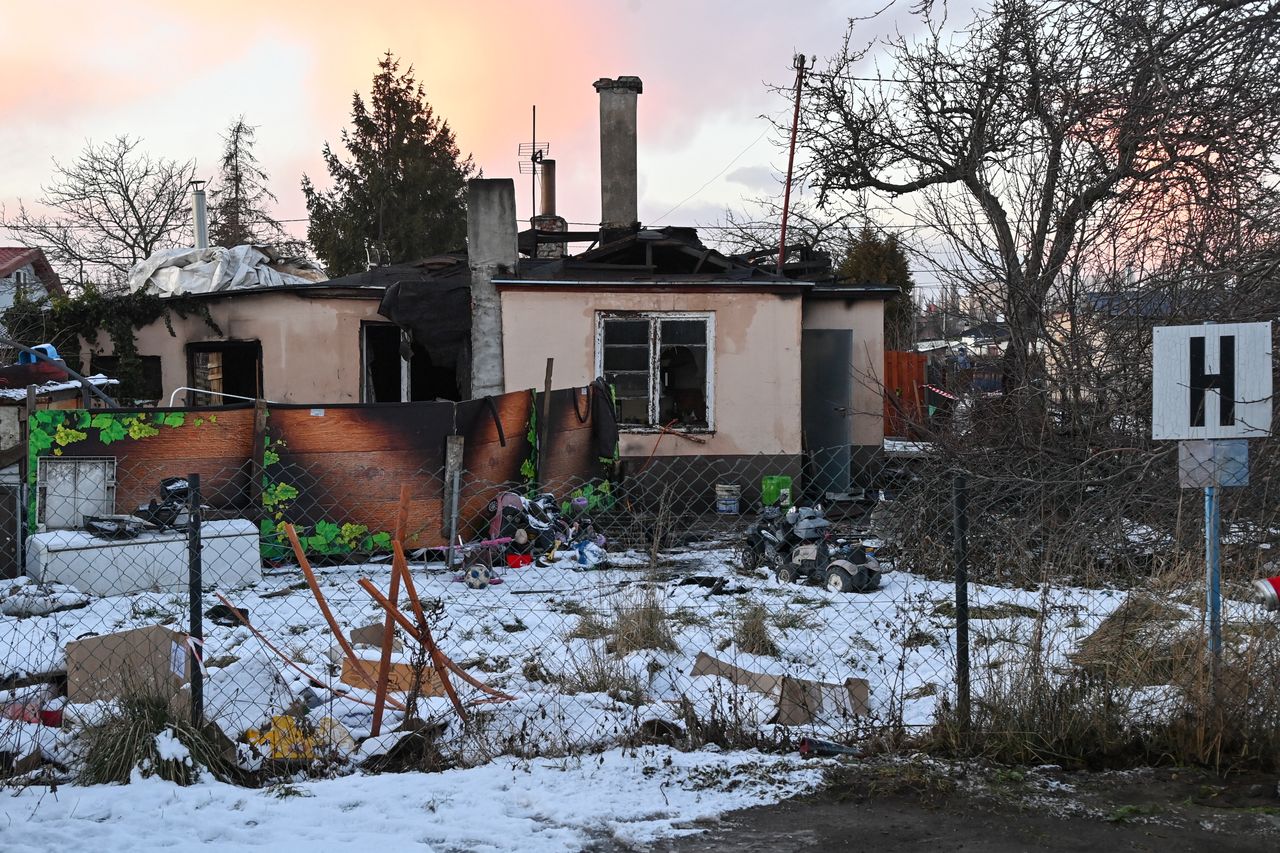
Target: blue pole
1213, 578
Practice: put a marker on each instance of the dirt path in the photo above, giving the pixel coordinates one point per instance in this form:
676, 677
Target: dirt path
916, 806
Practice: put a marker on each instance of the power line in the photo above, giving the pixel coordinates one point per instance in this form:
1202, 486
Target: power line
737, 157
96, 228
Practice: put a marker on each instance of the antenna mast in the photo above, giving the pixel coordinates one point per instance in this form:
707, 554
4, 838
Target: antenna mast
531, 154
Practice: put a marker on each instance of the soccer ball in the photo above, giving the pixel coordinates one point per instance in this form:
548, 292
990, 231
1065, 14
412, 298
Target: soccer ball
477, 577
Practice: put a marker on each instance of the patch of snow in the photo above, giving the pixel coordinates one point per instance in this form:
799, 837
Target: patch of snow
169, 748
541, 806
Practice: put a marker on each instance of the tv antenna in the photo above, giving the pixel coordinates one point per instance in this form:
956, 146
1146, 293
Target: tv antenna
531, 155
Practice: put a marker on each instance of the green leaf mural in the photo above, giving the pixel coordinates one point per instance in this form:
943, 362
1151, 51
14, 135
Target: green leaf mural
326, 538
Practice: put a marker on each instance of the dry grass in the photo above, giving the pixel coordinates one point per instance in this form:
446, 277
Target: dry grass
128, 739
596, 672
591, 627
1145, 641
751, 633
1140, 691
637, 623
641, 624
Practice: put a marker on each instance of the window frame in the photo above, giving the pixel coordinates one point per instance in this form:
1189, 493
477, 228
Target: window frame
218, 398
655, 319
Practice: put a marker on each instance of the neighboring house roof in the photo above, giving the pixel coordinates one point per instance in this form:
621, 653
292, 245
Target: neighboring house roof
987, 331
1129, 303
16, 257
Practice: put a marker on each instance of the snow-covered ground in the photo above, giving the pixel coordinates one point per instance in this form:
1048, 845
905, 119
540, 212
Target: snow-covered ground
633, 797
532, 636
564, 770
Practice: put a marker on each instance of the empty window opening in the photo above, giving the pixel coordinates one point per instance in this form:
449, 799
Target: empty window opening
391, 378
226, 370
144, 384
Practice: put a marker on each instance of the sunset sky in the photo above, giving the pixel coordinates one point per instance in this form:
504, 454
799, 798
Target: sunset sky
177, 73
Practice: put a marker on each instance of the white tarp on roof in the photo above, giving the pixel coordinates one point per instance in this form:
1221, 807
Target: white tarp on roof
173, 271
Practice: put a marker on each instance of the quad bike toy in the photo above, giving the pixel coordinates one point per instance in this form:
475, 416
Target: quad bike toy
798, 546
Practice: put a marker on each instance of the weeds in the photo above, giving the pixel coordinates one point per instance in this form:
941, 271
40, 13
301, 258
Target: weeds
597, 672
751, 633
641, 624
144, 732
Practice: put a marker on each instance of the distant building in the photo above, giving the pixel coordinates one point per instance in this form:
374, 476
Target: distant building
26, 271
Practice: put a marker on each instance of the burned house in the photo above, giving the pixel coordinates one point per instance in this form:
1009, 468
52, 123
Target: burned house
713, 359
303, 342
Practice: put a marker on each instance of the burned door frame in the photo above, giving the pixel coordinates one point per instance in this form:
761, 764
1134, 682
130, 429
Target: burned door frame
223, 346
419, 380
406, 366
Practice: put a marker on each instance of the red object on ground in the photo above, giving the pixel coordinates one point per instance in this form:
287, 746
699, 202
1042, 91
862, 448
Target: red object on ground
515, 561
51, 717
1267, 592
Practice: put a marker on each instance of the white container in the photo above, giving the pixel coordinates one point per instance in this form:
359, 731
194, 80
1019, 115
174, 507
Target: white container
150, 561
728, 498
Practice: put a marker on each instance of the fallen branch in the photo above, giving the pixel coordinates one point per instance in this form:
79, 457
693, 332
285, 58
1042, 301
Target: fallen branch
356, 663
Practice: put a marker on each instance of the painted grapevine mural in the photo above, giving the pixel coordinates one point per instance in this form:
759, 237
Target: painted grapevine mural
334, 472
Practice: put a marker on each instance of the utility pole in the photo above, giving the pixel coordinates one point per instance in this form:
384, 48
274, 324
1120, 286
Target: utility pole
797, 62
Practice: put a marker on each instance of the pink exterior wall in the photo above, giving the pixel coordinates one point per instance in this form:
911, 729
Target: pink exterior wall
757, 360
866, 318
310, 344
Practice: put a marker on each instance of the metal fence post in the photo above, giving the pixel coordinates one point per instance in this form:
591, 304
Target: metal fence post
1213, 582
195, 584
454, 458
960, 543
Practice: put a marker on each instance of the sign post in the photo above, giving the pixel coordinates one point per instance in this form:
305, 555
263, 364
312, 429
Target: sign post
1211, 391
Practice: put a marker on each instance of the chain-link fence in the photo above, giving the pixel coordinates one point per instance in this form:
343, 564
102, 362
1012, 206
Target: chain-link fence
289, 624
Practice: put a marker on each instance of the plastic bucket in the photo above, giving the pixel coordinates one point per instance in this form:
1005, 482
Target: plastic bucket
727, 498
775, 490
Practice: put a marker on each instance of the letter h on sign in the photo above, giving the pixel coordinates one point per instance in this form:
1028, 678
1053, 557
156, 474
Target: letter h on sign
1224, 381
1191, 364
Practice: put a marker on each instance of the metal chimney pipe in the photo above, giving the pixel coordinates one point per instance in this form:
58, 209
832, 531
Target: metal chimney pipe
200, 215
548, 206
618, 182
547, 222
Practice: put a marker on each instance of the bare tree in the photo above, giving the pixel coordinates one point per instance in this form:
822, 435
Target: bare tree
1044, 139
108, 209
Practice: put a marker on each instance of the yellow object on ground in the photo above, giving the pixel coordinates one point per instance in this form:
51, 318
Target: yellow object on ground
289, 737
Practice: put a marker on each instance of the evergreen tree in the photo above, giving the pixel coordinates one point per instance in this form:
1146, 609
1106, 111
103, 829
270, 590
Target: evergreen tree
401, 189
881, 260
239, 197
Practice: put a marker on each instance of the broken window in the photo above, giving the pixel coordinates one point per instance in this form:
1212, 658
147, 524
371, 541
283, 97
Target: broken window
389, 377
660, 367
227, 372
